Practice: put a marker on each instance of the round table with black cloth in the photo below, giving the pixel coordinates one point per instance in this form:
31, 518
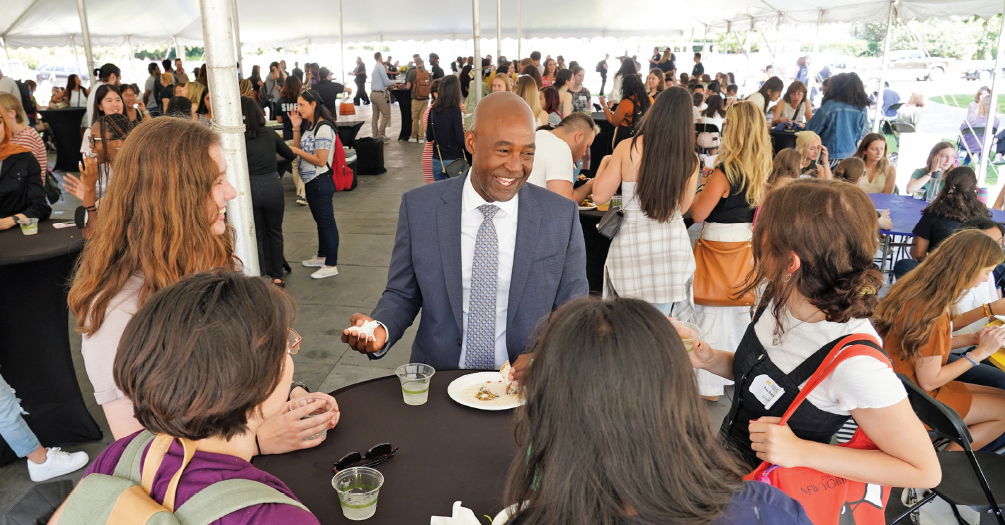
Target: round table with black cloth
347, 131
781, 140
601, 146
404, 99
65, 126
597, 247
34, 337
447, 453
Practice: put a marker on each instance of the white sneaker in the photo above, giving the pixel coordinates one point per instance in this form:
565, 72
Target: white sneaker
413, 139
56, 463
385, 139
422, 141
325, 271
314, 261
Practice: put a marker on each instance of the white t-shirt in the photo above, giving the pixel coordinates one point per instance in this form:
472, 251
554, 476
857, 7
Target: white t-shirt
976, 297
552, 160
859, 382
310, 143
8, 85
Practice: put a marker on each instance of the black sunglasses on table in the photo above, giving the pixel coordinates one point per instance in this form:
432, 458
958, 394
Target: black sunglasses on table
378, 454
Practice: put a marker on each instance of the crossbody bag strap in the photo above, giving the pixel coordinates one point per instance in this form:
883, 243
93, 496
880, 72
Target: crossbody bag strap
436, 142
842, 351
224, 497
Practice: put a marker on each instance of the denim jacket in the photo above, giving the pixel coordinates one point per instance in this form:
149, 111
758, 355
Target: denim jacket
840, 127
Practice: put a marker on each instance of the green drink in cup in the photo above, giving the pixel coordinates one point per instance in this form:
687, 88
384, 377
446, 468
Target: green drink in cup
357, 490
688, 333
29, 226
415, 379
319, 410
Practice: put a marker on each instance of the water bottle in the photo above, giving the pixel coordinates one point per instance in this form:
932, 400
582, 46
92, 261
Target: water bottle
933, 186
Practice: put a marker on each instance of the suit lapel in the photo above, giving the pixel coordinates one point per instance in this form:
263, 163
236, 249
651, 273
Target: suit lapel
448, 225
528, 225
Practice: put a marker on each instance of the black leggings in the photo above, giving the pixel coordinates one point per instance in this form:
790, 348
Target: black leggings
269, 208
360, 92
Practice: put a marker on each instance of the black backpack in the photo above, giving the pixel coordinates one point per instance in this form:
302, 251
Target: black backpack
600, 66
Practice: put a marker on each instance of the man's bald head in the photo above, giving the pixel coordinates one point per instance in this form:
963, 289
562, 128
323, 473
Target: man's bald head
502, 104
501, 142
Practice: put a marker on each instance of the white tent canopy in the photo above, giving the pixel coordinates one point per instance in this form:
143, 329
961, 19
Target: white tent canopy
30, 23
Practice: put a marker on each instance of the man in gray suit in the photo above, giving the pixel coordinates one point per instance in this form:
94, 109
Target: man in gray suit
484, 256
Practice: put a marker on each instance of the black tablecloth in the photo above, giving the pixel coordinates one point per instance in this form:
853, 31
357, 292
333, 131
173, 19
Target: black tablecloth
601, 146
65, 126
781, 140
597, 247
34, 336
347, 131
447, 453
404, 99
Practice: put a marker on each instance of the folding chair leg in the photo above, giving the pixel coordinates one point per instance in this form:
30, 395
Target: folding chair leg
929, 497
956, 512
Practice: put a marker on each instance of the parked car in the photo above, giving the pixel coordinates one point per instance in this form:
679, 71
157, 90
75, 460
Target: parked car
978, 70
57, 74
915, 64
16, 70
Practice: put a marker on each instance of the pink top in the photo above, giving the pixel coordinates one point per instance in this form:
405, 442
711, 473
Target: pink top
203, 470
30, 139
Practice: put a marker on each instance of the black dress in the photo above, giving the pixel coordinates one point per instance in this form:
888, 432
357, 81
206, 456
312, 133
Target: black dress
21, 189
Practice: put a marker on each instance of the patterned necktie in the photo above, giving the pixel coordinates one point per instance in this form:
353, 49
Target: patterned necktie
481, 329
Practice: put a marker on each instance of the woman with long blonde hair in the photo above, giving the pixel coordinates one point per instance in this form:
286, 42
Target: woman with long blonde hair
726, 201
916, 318
162, 219
193, 92
526, 88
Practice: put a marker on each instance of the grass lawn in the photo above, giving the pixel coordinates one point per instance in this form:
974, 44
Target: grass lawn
963, 101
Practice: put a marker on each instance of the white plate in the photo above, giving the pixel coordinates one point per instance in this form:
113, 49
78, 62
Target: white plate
587, 208
456, 389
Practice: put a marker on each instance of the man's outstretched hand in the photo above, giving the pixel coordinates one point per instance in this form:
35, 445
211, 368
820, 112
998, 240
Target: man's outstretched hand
362, 343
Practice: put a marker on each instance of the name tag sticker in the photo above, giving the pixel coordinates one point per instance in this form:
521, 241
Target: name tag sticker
766, 390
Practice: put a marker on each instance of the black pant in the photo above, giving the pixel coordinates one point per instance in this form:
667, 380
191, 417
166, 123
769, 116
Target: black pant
603, 77
267, 204
360, 91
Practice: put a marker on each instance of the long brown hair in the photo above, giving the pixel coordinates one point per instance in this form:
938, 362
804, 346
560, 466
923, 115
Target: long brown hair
668, 160
884, 163
745, 153
785, 166
918, 299
291, 89
957, 199
153, 220
589, 455
832, 227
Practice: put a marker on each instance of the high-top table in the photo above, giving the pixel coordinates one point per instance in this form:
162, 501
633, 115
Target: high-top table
447, 453
34, 337
905, 212
65, 126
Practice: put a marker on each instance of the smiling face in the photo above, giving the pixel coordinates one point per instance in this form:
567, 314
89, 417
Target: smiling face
222, 192
112, 103
128, 97
502, 146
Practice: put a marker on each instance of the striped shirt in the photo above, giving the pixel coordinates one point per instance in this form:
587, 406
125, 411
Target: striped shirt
30, 139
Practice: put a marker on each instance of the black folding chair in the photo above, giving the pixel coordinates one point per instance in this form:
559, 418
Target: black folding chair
964, 482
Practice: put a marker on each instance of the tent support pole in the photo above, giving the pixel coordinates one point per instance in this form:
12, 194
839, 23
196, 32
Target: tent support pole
476, 35
816, 39
76, 56
882, 72
10, 67
498, 30
995, 90
519, 29
218, 35
132, 57
341, 42
237, 41
86, 34
179, 52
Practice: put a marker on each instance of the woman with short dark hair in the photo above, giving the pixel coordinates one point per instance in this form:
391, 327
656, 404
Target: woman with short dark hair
657, 459
207, 362
794, 107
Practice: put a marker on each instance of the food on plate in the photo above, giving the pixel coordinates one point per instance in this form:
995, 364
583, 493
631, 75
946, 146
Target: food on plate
484, 394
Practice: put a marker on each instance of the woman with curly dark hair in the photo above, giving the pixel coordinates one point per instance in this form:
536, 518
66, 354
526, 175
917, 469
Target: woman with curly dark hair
841, 120
634, 104
813, 253
956, 203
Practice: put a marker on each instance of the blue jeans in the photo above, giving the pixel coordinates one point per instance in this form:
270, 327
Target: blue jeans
903, 266
438, 168
319, 197
12, 426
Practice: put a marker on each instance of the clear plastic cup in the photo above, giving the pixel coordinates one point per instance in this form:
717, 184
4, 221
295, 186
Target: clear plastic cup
29, 226
687, 332
415, 379
321, 410
357, 490
616, 201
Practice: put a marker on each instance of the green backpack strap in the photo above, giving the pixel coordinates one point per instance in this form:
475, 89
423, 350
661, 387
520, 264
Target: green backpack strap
128, 466
224, 497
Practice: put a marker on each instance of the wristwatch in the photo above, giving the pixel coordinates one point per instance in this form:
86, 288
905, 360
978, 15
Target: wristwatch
295, 384
16, 220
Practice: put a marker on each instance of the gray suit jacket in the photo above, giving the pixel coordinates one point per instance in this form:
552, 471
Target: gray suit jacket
549, 269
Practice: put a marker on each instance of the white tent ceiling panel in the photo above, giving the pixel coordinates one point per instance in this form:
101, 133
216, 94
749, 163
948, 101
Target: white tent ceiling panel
52, 22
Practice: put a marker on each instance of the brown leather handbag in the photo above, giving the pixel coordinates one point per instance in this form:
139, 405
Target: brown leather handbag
720, 270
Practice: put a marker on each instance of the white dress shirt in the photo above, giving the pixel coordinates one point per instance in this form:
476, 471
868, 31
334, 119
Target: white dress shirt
505, 221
